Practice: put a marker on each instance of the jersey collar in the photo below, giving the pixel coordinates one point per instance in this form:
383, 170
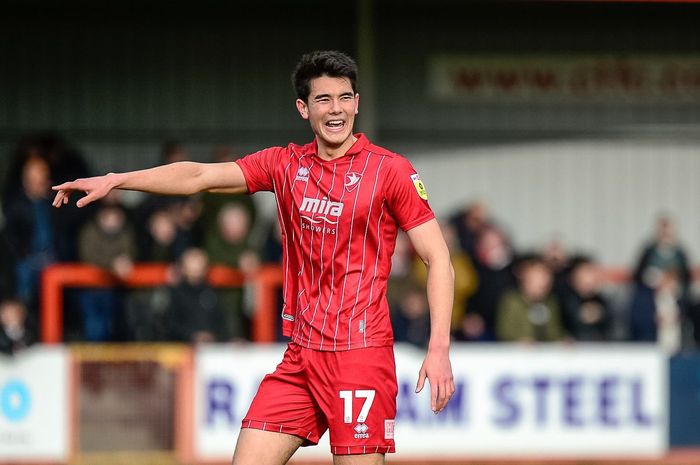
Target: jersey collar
356, 148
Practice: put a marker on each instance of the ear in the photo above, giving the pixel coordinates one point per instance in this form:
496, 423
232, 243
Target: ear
302, 108
357, 103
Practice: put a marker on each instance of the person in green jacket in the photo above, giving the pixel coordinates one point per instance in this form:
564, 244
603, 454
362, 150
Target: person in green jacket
530, 312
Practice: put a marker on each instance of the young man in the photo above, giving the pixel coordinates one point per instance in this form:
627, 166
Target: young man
340, 202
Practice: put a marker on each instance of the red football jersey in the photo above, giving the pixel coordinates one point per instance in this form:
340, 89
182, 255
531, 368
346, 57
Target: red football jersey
339, 221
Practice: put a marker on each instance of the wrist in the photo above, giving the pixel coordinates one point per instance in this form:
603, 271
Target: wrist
439, 345
114, 180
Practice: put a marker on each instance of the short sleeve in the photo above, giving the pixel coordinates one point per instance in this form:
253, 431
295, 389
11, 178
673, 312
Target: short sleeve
259, 167
406, 195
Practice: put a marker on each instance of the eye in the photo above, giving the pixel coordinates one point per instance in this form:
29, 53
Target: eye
323, 100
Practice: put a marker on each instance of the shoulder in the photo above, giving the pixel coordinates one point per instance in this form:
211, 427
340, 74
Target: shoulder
393, 161
382, 151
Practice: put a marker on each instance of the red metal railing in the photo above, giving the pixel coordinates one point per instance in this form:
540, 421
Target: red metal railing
57, 277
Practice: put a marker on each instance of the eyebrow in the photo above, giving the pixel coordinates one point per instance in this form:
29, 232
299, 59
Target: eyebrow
344, 94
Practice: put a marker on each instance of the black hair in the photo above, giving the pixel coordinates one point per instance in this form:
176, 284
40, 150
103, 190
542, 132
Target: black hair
322, 63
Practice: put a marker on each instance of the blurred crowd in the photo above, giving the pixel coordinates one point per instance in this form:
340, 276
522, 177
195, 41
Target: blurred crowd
501, 294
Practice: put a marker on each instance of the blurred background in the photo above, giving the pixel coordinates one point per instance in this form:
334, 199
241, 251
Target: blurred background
559, 142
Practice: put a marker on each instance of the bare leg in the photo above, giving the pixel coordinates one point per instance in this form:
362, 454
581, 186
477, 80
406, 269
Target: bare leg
364, 459
257, 447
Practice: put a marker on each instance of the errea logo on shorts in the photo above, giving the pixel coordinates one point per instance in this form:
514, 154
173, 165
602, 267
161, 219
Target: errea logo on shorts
361, 431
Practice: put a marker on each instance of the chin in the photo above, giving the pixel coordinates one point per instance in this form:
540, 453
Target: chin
336, 139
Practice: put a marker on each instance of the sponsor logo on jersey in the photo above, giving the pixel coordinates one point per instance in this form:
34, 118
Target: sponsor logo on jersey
389, 429
420, 187
320, 210
302, 174
361, 431
352, 180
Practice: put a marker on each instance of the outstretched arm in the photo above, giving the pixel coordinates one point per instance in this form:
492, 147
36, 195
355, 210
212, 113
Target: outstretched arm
428, 242
181, 178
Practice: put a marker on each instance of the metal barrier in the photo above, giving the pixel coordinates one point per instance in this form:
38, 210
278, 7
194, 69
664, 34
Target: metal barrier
55, 278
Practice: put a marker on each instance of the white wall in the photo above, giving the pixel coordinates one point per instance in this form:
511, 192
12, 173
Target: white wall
600, 196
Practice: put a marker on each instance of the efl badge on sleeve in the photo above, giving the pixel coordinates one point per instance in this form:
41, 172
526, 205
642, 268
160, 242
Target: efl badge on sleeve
420, 187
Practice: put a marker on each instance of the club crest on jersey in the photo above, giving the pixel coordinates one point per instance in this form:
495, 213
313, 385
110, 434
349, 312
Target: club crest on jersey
302, 174
420, 187
352, 180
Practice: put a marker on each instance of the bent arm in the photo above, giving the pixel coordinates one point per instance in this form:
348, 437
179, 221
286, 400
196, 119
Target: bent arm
428, 242
181, 178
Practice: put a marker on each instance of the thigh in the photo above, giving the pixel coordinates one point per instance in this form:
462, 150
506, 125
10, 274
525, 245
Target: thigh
284, 404
257, 447
357, 390
367, 459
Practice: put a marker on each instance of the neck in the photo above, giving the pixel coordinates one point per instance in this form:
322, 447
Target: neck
329, 152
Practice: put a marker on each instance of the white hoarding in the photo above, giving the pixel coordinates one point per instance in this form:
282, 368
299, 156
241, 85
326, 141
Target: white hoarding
602, 400
34, 405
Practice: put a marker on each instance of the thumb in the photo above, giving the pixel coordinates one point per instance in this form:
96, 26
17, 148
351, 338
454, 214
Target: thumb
421, 380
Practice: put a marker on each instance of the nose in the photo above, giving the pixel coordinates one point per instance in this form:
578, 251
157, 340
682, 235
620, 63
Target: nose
335, 108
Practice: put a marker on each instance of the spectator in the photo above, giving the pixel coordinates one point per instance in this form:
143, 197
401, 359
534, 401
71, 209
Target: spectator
160, 244
16, 332
469, 224
187, 216
271, 250
227, 247
30, 228
493, 262
662, 273
171, 151
410, 320
586, 313
64, 163
194, 313
557, 259
107, 242
231, 238
212, 203
530, 313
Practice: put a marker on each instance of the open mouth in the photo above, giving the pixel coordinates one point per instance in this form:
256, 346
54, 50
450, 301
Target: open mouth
335, 125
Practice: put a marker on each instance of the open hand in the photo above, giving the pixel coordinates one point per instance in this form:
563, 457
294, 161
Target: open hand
437, 369
95, 188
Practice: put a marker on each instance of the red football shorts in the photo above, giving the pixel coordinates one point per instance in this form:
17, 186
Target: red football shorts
351, 393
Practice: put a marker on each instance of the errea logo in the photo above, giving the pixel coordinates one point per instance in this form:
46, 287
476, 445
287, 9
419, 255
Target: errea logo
361, 431
302, 174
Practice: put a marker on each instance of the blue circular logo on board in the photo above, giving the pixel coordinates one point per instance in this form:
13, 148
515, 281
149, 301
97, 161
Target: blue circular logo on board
15, 400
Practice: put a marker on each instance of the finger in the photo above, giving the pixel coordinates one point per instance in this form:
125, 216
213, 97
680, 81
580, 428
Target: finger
57, 200
88, 199
434, 392
444, 395
421, 381
60, 199
70, 185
